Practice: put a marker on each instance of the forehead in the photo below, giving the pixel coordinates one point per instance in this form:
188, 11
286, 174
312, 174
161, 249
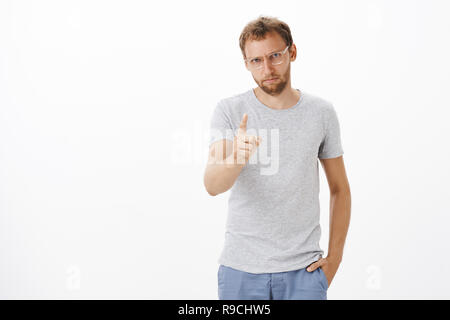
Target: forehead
271, 42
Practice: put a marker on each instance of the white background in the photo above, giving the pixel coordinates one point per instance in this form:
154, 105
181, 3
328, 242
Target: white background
104, 116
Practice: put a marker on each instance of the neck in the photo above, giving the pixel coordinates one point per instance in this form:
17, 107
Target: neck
286, 99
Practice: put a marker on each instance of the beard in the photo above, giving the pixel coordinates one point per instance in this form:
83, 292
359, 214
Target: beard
275, 88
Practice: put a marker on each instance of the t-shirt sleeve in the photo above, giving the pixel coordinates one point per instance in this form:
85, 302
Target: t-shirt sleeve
220, 126
331, 146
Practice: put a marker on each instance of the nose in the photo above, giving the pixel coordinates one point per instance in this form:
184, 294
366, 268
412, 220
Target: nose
268, 67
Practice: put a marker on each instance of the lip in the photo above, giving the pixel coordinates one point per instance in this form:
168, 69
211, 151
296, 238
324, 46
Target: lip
271, 80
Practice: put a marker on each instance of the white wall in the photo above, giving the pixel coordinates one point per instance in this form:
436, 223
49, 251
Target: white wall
104, 115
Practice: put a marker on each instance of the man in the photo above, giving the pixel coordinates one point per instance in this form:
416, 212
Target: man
272, 237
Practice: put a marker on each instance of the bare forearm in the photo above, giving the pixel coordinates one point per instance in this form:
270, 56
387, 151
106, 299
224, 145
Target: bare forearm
340, 207
221, 175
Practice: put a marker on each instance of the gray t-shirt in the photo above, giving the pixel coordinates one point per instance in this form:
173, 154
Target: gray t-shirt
273, 209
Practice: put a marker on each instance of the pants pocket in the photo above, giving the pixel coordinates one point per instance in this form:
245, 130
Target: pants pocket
220, 275
324, 278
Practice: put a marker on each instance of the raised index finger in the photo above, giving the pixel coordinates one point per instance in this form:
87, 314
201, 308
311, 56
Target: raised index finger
243, 125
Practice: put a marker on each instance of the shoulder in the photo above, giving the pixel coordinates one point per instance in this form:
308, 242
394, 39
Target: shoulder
319, 108
235, 100
234, 105
318, 103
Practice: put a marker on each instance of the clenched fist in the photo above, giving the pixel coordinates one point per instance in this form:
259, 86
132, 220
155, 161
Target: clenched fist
244, 146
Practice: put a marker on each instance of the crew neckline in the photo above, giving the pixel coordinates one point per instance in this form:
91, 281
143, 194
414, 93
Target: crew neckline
259, 103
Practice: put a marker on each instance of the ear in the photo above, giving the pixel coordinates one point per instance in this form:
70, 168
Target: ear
293, 52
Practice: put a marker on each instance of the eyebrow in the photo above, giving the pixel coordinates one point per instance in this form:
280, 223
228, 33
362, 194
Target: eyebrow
266, 54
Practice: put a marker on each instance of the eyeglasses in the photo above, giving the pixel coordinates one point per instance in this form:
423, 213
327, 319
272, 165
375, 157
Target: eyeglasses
275, 58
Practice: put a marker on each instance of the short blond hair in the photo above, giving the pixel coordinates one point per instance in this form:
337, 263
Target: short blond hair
257, 30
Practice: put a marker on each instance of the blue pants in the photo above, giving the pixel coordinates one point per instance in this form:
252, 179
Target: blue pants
290, 285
